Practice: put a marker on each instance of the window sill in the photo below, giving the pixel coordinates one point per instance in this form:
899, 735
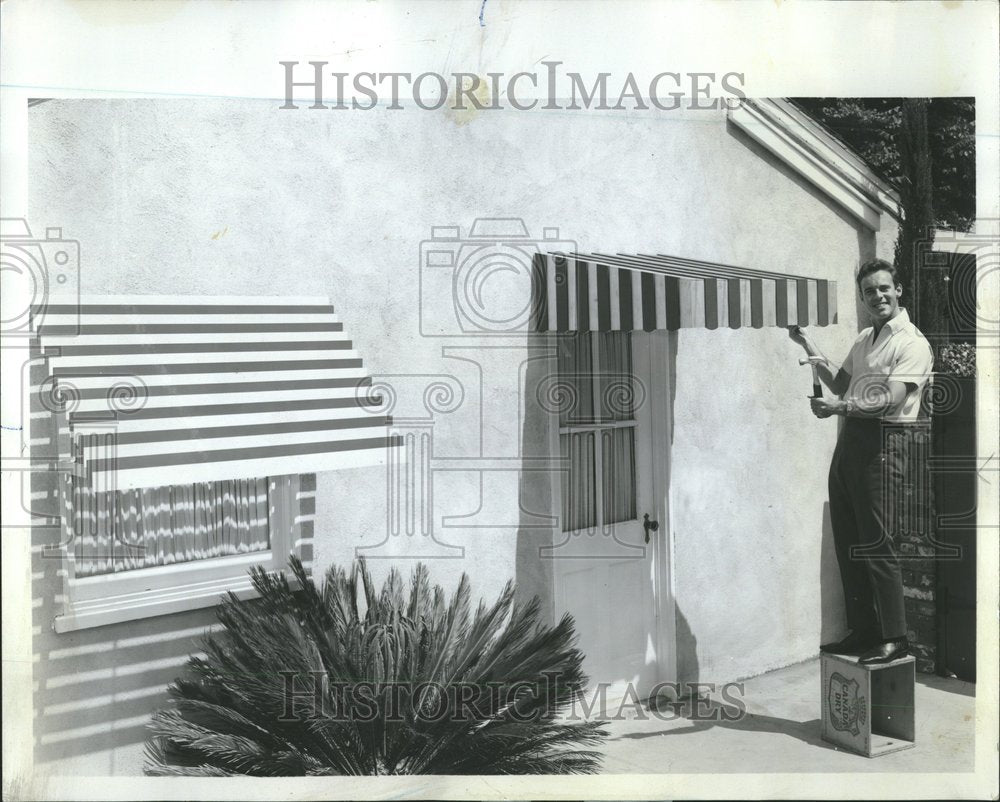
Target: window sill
132, 595
114, 609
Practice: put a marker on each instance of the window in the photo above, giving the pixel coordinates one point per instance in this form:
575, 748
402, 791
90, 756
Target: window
130, 530
137, 553
597, 429
195, 399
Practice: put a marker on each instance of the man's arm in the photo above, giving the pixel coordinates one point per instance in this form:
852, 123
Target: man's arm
910, 372
836, 378
878, 401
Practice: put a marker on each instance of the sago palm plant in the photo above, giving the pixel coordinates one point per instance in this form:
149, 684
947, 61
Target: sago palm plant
346, 680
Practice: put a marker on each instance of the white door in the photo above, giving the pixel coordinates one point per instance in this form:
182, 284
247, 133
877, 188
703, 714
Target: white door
610, 558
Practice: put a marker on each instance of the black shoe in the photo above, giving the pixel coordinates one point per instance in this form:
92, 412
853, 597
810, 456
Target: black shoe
855, 642
885, 652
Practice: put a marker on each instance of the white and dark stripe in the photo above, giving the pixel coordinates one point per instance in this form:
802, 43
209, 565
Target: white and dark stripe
229, 388
601, 292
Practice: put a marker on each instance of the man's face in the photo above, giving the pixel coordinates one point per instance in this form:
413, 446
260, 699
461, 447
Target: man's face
880, 295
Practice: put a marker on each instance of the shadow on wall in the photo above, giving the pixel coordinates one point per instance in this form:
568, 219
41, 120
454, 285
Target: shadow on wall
95, 689
687, 649
688, 669
795, 177
534, 575
831, 596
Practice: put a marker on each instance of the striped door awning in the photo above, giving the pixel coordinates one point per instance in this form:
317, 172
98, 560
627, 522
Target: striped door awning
152, 391
601, 292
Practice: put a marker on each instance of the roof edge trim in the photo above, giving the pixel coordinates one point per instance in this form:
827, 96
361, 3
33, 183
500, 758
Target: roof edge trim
803, 145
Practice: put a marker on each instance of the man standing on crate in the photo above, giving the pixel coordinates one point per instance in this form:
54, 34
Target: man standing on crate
878, 391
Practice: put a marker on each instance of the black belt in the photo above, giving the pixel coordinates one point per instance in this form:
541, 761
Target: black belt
874, 427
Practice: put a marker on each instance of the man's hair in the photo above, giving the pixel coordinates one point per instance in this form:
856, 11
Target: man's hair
873, 266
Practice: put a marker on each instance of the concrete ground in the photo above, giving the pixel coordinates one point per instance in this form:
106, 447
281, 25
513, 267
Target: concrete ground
780, 731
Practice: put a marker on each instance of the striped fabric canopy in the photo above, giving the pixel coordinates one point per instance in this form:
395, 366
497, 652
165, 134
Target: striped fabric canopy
600, 292
194, 389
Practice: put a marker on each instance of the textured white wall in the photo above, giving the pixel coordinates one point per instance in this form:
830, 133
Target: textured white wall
216, 197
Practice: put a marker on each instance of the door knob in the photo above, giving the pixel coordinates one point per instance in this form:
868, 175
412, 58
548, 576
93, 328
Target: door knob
649, 526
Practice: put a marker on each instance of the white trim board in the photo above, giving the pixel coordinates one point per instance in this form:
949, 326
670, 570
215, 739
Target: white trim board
800, 143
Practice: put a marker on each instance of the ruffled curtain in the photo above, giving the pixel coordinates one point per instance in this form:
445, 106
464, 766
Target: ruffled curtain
615, 392
579, 497
116, 531
576, 380
618, 456
598, 469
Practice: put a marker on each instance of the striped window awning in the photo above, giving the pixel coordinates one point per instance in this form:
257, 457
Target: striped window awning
153, 391
601, 292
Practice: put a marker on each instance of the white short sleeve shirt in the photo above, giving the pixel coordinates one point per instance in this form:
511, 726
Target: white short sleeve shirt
901, 353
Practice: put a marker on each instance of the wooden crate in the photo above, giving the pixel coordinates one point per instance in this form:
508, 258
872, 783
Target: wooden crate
868, 709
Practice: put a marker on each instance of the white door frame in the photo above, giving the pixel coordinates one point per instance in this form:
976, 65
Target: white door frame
661, 426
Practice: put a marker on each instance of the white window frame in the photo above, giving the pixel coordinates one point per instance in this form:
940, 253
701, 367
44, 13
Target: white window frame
112, 598
598, 428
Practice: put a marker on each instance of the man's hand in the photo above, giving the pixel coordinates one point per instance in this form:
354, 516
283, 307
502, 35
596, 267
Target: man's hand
799, 336
833, 377
825, 407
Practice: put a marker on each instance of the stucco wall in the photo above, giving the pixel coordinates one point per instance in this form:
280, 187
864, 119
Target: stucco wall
756, 580
219, 197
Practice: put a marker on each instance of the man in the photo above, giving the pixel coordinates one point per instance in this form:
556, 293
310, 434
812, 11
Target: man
879, 388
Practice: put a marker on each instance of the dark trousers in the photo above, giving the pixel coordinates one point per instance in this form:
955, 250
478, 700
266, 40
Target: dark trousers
868, 488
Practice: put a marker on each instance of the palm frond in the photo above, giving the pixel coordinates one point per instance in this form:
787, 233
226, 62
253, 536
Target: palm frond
346, 679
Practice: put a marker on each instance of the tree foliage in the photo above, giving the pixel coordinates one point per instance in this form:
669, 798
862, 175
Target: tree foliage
343, 679
916, 231
926, 147
874, 129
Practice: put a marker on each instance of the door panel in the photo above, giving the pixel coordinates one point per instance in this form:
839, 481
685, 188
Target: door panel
604, 573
